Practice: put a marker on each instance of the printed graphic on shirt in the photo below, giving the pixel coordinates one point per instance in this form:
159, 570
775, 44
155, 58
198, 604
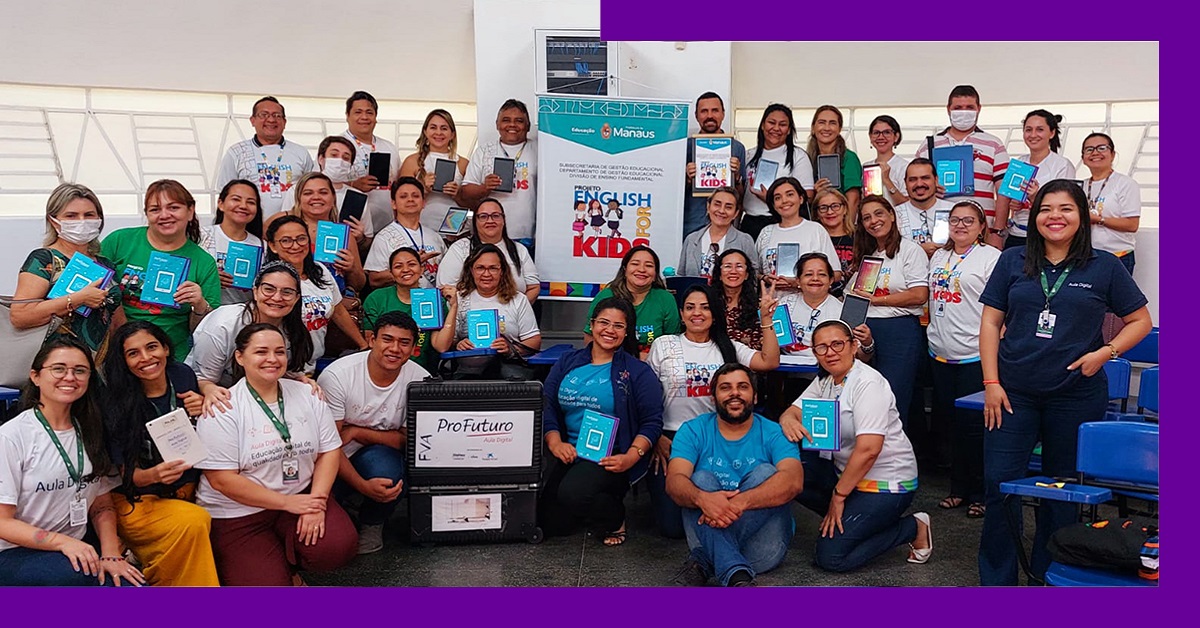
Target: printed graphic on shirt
698, 376
720, 466
946, 285
881, 284
645, 335
315, 311
274, 178
574, 394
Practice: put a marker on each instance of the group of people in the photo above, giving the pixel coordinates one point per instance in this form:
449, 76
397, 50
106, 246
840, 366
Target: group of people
717, 434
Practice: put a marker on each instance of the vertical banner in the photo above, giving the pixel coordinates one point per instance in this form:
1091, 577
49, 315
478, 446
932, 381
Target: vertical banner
609, 179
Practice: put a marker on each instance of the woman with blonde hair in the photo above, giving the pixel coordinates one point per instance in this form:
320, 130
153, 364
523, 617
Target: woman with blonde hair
438, 140
832, 210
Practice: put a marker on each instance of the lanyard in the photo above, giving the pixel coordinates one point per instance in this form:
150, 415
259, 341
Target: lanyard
75, 473
1093, 201
421, 231
1050, 292
519, 151
833, 387
948, 272
278, 160
279, 423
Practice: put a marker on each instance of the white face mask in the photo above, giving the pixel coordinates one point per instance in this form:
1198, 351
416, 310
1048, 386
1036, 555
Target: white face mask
79, 231
337, 169
963, 119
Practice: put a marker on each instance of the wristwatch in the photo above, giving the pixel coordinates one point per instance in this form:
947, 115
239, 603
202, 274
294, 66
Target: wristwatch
641, 452
1113, 351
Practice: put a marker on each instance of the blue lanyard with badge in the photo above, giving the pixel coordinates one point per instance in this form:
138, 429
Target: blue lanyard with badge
291, 464
1045, 325
78, 510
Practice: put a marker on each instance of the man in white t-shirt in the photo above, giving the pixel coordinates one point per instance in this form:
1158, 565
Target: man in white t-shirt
915, 219
361, 112
266, 159
405, 229
367, 394
480, 182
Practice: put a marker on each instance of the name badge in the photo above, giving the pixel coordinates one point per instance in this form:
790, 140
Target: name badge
79, 509
941, 309
291, 470
1045, 326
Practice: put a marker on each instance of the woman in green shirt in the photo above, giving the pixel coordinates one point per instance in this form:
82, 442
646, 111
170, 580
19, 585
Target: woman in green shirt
826, 138
405, 266
640, 282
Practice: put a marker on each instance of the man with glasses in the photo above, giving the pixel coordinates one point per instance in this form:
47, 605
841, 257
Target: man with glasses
408, 199
710, 115
266, 159
513, 125
915, 219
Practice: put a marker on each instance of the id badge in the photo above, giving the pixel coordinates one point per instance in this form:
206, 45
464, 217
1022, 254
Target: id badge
940, 310
827, 455
291, 470
79, 509
1045, 326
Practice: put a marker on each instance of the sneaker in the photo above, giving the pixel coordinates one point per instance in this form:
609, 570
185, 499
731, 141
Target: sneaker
691, 575
370, 539
742, 578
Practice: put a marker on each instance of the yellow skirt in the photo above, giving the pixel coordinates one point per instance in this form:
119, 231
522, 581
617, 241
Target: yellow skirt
169, 537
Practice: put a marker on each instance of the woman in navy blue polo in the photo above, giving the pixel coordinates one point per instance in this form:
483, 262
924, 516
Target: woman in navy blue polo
1045, 376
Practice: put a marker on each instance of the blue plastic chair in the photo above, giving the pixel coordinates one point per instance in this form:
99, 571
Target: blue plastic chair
1148, 391
1145, 351
1119, 372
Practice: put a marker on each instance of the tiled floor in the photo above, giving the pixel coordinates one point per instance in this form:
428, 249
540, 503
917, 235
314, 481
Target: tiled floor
649, 560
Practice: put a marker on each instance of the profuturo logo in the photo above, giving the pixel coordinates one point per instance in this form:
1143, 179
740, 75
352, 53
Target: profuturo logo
606, 131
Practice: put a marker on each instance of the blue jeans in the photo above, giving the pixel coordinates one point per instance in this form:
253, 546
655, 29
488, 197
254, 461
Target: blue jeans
1055, 420
756, 542
871, 522
25, 567
374, 461
1128, 261
899, 351
667, 514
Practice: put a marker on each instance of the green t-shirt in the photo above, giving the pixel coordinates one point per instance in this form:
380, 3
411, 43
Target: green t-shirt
129, 251
92, 329
385, 300
851, 171
657, 315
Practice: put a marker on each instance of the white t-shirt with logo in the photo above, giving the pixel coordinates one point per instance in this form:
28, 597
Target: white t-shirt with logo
243, 439
397, 236
520, 205
916, 224
809, 234
355, 399
867, 406
34, 479
909, 269
801, 168
379, 201
213, 342
685, 369
1121, 197
317, 311
436, 203
216, 243
1054, 166
517, 321
274, 168
805, 319
451, 267
955, 311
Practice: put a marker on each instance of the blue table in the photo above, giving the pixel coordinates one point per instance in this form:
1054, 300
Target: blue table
973, 401
796, 368
547, 357
9, 395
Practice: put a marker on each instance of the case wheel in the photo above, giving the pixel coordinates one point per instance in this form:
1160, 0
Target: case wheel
536, 536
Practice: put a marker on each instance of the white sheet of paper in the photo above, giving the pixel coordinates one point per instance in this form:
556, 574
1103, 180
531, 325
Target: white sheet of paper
176, 439
797, 359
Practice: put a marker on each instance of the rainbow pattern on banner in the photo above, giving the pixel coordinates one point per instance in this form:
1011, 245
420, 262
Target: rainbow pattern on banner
571, 289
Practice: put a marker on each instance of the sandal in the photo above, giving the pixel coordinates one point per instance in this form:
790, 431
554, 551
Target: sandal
921, 556
951, 502
613, 539
976, 510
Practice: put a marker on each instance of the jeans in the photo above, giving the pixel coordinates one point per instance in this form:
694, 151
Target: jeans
581, 491
667, 514
756, 542
871, 522
899, 349
963, 428
1055, 419
374, 461
25, 567
1128, 261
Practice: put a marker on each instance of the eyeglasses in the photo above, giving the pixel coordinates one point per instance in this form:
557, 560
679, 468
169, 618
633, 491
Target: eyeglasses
836, 345
965, 221
59, 371
1103, 148
604, 323
882, 133
486, 269
269, 115
287, 243
831, 208
269, 290
729, 267
489, 217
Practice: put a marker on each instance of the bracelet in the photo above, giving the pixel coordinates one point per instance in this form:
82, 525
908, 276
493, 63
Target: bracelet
1112, 348
767, 326
69, 306
869, 348
991, 381
115, 559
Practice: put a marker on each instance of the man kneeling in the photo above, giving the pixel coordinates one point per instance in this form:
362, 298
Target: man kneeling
734, 474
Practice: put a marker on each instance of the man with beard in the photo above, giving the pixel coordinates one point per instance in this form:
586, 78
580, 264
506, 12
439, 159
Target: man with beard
710, 114
915, 218
734, 474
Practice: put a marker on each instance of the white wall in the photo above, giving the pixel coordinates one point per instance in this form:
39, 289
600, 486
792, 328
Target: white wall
401, 49
852, 74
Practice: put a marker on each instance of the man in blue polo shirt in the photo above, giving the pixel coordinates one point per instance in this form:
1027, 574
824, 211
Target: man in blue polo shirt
734, 474
710, 114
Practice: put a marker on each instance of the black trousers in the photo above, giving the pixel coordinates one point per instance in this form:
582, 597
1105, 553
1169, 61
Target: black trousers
581, 492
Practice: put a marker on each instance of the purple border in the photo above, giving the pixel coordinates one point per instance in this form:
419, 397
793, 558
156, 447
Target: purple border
749, 20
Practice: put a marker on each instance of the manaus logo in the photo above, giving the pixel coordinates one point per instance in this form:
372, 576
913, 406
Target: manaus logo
606, 131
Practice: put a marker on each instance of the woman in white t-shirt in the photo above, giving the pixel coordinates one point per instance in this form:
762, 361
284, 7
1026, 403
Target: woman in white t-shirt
813, 305
272, 459
863, 489
898, 299
958, 273
488, 285
276, 296
238, 219
885, 137
790, 203
321, 302
55, 479
438, 140
1042, 136
777, 145
1114, 200
488, 227
316, 200
684, 363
